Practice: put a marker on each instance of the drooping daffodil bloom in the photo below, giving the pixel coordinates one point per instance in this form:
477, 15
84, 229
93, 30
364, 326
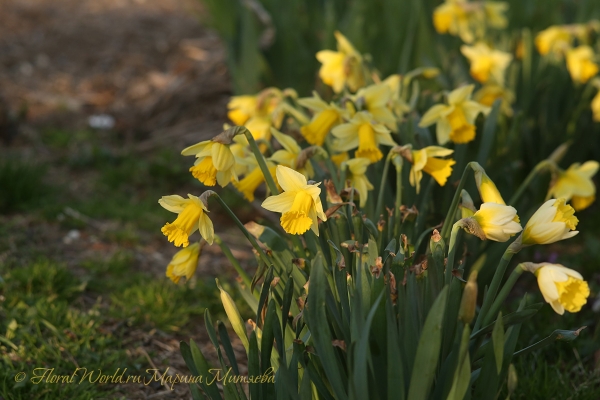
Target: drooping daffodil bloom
289, 155
376, 100
184, 263
215, 162
455, 121
343, 67
363, 133
486, 63
299, 204
575, 184
355, 173
192, 216
326, 117
497, 221
553, 221
581, 65
562, 287
429, 160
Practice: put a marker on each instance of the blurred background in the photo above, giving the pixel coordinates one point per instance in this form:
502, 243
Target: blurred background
97, 99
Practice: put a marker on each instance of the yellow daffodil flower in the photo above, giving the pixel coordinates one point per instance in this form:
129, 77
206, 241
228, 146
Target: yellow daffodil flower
497, 221
184, 263
338, 159
486, 63
288, 156
397, 103
450, 17
343, 67
562, 287
192, 216
596, 107
299, 204
428, 160
362, 132
248, 184
326, 117
494, 14
257, 113
375, 100
214, 162
552, 222
580, 63
455, 121
555, 39
488, 94
576, 184
355, 173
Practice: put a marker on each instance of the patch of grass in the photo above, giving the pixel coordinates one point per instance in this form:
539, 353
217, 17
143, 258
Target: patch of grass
22, 185
41, 328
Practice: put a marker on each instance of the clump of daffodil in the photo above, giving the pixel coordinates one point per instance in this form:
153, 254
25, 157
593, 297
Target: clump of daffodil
253, 179
192, 216
494, 221
326, 117
490, 92
184, 263
486, 63
552, 222
455, 121
291, 155
342, 68
562, 287
299, 204
364, 133
376, 99
580, 63
575, 184
355, 173
257, 113
555, 39
429, 160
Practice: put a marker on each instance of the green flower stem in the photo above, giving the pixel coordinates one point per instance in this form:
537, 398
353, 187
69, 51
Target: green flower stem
493, 289
261, 163
250, 238
234, 262
538, 168
453, 207
397, 220
510, 282
456, 228
382, 185
566, 336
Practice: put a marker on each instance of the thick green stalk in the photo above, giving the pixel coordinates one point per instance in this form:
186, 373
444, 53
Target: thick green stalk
233, 261
261, 163
508, 285
453, 207
493, 288
250, 238
382, 185
452, 250
539, 167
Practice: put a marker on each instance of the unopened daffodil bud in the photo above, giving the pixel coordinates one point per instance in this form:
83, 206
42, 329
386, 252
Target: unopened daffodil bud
552, 222
576, 185
487, 188
562, 288
468, 302
184, 263
192, 216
